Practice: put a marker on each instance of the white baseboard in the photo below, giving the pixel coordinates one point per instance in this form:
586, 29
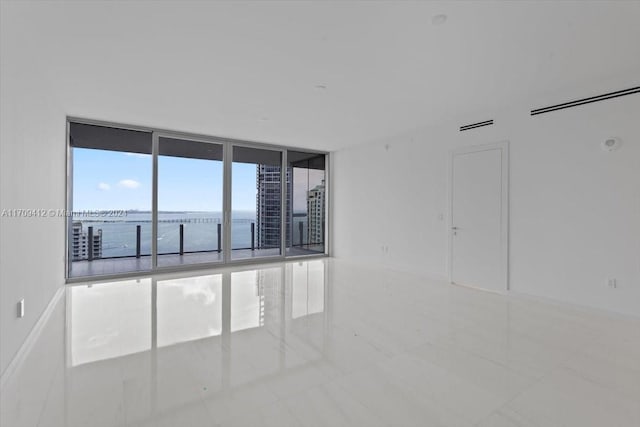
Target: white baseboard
574, 305
31, 339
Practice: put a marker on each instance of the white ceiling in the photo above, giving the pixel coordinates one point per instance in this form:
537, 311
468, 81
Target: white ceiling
250, 70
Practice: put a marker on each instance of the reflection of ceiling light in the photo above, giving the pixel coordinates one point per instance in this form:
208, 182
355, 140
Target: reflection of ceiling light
439, 19
321, 87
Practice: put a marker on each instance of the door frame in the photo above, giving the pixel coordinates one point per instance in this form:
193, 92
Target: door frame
503, 146
227, 197
155, 152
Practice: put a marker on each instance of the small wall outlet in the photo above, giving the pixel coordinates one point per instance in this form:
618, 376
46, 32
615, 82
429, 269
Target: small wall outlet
612, 283
20, 310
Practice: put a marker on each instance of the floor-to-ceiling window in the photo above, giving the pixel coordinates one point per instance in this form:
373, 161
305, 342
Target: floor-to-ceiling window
256, 202
109, 226
190, 198
147, 200
306, 203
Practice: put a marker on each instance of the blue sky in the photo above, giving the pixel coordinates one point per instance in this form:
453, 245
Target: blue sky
105, 180
110, 180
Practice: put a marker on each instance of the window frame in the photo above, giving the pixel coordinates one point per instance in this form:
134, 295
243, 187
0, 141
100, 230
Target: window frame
227, 144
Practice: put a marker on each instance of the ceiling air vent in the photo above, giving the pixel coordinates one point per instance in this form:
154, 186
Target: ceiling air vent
585, 101
476, 125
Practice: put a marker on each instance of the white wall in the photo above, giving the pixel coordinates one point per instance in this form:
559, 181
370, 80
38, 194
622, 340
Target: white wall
32, 176
575, 210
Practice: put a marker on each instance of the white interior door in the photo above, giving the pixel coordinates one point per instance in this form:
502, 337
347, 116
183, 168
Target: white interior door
478, 235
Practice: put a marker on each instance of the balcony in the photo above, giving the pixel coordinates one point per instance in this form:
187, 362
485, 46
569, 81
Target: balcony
174, 248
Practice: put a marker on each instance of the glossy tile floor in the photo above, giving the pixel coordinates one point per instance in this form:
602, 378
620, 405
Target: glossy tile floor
322, 343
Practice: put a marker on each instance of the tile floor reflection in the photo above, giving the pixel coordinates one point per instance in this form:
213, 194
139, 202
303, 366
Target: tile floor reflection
323, 342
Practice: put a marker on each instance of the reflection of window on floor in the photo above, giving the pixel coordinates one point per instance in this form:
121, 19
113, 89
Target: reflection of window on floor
249, 290
247, 300
189, 309
307, 288
110, 320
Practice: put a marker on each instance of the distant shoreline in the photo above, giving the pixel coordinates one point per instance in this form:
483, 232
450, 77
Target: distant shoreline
190, 216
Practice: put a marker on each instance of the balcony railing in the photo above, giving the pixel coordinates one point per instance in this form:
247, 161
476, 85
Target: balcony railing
93, 249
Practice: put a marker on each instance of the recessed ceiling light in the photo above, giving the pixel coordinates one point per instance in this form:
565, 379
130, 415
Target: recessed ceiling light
321, 87
439, 19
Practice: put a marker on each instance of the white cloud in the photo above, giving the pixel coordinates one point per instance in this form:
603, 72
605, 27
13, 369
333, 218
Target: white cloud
129, 183
104, 186
143, 156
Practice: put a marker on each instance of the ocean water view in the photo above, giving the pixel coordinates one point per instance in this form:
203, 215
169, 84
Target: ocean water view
200, 231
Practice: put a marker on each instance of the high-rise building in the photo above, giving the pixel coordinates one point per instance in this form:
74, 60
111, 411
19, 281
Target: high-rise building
268, 205
315, 212
80, 243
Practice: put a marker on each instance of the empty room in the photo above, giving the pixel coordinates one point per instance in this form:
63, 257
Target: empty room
319, 213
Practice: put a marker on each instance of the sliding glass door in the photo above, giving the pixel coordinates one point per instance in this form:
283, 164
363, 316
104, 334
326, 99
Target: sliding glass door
256, 203
189, 222
306, 203
147, 200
